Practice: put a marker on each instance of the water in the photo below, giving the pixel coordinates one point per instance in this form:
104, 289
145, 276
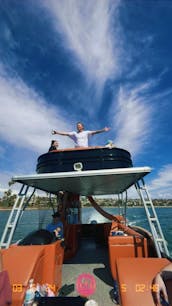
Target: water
34, 219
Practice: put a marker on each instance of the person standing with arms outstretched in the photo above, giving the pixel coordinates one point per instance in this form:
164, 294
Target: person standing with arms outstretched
81, 137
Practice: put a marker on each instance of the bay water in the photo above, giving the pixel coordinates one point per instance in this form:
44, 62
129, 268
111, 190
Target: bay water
33, 219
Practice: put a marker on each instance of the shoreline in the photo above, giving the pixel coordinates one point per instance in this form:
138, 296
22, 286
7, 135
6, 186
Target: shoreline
49, 208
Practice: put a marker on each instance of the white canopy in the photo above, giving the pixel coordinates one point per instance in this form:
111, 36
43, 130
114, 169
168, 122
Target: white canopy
92, 182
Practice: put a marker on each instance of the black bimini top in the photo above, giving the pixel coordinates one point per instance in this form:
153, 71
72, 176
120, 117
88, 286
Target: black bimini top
91, 182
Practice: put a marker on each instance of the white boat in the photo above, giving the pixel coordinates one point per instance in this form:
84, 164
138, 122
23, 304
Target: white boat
97, 256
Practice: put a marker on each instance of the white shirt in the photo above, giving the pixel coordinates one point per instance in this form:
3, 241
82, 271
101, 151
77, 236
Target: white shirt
80, 138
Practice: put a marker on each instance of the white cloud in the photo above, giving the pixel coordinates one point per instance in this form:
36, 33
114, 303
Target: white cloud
6, 177
88, 32
159, 187
162, 185
26, 120
4, 180
132, 118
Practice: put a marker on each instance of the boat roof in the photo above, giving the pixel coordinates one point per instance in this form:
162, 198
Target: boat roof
91, 182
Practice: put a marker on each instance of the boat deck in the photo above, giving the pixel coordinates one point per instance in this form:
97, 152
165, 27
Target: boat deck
91, 258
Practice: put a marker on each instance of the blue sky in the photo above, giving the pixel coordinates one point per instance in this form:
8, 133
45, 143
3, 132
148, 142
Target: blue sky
102, 62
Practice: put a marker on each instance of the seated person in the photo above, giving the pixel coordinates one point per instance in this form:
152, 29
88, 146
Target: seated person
56, 226
54, 145
160, 296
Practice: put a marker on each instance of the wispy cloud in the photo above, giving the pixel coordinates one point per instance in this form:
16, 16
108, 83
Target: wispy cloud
161, 186
87, 30
132, 117
5, 178
26, 120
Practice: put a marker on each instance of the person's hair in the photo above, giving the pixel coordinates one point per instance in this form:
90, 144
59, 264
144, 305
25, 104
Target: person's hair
52, 142
56, 215
79, 122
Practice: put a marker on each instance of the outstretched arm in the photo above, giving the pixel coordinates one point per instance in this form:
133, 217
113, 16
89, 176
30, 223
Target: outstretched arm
59, 133
106, 129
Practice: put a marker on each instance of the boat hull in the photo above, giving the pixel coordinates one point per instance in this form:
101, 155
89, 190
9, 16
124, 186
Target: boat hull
85, 159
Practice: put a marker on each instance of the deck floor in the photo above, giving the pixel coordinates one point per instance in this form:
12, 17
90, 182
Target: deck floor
91, 258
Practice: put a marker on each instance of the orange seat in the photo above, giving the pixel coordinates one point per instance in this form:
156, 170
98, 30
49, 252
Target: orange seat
132, 244
43, 263
134, 276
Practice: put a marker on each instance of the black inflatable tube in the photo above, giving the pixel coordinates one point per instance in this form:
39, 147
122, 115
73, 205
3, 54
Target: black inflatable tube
91, 159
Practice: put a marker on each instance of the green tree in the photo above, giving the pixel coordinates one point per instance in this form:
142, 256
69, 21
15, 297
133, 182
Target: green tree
8, 198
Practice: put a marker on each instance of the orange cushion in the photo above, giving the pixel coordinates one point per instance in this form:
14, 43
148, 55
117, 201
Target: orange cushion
135, 277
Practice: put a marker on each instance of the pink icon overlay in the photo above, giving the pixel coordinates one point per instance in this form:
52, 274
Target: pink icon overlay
85, 284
